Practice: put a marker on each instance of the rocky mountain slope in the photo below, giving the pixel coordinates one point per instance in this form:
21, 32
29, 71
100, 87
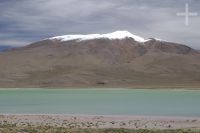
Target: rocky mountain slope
118, 59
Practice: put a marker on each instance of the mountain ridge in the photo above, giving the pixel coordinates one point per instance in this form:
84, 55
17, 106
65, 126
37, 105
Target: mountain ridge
100, 62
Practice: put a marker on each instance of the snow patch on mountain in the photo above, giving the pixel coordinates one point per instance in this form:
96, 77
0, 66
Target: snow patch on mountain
156, 39
114, 35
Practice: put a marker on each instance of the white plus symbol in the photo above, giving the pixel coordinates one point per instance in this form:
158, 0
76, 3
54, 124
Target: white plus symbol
187, 14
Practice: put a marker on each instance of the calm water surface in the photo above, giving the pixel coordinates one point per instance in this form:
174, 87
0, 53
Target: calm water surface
101, 102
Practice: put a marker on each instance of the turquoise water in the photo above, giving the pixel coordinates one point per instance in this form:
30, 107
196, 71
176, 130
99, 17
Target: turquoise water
101, 102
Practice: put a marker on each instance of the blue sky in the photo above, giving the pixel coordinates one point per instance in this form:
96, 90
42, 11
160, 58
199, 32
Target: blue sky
26, 21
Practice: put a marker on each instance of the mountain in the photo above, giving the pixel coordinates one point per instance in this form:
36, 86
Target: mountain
4, 48
118, 59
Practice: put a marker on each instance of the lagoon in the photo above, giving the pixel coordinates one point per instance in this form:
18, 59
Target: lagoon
138, 102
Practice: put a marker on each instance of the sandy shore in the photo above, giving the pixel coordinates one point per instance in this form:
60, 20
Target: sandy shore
92, 121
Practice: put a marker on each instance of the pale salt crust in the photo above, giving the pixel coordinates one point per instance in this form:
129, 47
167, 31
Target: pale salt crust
104, 121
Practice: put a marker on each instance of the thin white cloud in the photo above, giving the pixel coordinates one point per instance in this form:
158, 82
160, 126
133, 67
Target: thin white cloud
14, 42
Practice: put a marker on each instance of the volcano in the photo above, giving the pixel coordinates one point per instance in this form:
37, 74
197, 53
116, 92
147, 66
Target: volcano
118, 59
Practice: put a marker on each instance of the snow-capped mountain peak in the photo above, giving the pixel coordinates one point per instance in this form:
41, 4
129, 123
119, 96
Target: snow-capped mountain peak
113, 35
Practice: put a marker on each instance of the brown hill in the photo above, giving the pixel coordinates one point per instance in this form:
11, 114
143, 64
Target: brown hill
100, 63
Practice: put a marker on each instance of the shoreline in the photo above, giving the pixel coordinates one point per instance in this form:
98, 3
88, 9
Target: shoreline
99, 115
104, 88
101, 121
